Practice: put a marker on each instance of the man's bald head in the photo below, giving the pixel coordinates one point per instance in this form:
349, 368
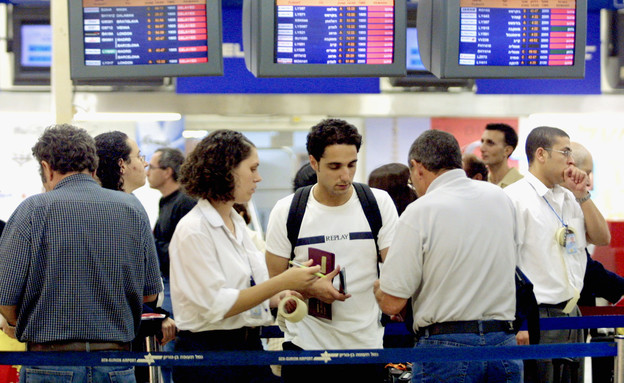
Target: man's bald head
582, 157
584, 161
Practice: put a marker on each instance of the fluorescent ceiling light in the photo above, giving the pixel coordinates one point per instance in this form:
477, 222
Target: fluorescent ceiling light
83, 116
194, 133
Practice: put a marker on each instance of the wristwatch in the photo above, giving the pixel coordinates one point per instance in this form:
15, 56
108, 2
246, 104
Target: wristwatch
583, 199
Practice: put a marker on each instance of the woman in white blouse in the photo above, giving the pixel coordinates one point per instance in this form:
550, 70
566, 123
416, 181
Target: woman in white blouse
220, 288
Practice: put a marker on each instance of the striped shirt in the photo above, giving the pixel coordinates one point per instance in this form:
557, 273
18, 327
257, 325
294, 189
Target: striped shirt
77, 261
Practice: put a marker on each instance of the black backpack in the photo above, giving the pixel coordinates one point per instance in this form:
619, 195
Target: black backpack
298, 207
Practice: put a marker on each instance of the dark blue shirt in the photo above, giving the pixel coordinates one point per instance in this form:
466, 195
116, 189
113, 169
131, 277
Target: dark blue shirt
77, 261
600, 283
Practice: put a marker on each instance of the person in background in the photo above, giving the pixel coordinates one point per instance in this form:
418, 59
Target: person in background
598, 281
220, 286
305, 176
162, 174
498, 142
122, 168
76, 262
334, 221
474, 167
555, 224
394, 179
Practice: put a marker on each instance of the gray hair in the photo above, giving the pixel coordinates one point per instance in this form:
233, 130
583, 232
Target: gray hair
171, 158
436, 150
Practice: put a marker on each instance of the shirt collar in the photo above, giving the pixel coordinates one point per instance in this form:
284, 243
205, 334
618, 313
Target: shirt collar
446, 178
538, 185
73, 179
557, 193
213, 216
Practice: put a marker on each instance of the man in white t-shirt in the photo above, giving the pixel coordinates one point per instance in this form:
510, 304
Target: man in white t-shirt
455, 257
334, 221
556, 219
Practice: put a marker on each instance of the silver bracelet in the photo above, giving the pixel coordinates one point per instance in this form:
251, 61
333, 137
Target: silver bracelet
581, 200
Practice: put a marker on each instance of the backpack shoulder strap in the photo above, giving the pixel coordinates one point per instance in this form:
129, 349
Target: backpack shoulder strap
371, 210
295, 216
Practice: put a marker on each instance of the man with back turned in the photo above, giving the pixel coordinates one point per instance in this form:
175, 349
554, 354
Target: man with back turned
77, 262
455, 257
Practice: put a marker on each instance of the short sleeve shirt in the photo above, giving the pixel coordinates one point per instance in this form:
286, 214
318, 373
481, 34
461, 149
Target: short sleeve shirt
77, 261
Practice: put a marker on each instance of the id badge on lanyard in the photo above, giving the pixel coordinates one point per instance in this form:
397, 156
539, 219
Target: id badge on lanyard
256, 312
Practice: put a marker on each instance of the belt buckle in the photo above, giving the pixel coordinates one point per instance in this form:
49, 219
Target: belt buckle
510, 326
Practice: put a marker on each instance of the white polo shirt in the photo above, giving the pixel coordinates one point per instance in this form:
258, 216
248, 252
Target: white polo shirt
454, 253
547, 264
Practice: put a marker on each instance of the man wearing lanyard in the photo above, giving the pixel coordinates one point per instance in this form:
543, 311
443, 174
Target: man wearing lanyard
555, 224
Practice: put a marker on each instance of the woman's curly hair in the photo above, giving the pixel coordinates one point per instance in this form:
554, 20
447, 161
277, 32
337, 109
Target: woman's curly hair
207, 171
111, 147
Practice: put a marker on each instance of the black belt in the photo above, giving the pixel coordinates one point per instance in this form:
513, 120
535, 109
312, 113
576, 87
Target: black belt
467, 327
560, 305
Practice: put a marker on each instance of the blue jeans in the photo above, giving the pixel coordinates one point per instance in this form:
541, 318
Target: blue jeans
508, 371
77, 374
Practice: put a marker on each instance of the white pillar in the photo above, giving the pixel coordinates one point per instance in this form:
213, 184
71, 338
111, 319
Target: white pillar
61, 84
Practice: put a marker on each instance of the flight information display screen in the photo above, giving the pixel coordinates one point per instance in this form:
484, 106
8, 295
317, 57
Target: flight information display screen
517, 32
412, 54
334, 32
36, 45
148, 32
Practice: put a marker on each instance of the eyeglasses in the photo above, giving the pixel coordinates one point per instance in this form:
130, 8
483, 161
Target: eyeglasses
567, 153
141, 157
152, 167
410, 184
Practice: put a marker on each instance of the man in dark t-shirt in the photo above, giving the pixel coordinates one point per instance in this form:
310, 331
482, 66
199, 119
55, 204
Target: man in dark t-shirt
162, 174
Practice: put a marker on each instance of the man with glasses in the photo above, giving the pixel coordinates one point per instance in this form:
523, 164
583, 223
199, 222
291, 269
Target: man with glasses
122, 167
457, 269
555, 223
162, 175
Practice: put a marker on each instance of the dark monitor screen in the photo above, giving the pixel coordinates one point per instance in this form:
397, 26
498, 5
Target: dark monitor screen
503, 39
145, 38
324, 38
